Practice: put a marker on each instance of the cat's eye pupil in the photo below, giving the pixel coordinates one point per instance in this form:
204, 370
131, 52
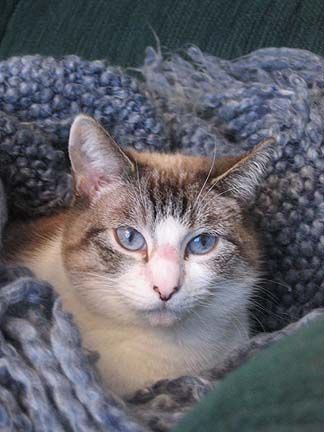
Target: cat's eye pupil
201, 244
129, 238
203, 240
129, 235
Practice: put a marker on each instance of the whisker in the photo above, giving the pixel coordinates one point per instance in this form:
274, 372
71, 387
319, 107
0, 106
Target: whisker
139, 185
263, 279
219, 194
207, 178
255, 318
265, 311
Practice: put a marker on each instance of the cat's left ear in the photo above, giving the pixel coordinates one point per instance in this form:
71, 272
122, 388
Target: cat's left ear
242, 179
95, 157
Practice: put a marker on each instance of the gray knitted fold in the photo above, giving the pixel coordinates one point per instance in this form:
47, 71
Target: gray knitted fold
190, 102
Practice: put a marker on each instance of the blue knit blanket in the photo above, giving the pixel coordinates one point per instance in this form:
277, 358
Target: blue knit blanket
189, 102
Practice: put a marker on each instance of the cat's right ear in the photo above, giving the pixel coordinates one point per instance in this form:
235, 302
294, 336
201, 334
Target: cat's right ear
96, 159
241, 179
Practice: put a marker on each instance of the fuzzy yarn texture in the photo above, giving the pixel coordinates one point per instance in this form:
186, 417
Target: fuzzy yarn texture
190, 102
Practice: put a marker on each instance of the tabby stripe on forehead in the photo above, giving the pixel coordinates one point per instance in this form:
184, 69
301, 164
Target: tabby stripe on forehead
154, 203
184, 205
167, 200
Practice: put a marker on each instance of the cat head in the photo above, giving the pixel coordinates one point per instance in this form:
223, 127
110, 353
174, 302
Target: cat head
154, 239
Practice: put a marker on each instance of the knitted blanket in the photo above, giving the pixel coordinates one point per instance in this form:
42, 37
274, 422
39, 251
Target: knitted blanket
191, 102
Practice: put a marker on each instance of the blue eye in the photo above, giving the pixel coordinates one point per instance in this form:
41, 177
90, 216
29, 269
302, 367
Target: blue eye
201, 244
130, 239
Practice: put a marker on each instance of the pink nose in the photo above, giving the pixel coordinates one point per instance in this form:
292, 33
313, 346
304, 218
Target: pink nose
166, 272
165, 296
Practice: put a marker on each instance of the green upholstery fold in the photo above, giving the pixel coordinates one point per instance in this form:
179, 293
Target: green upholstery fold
121, 29
279, 390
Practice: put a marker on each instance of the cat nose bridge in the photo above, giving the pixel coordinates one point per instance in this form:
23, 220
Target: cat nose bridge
166, 275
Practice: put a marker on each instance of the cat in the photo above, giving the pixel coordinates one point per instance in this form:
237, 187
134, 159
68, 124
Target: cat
156, 259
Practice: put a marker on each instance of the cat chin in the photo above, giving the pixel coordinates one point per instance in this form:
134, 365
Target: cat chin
162, 318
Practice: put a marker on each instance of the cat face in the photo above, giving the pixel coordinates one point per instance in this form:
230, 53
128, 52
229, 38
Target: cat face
154, 239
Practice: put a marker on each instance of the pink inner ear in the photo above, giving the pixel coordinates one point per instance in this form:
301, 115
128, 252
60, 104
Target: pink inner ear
91, 184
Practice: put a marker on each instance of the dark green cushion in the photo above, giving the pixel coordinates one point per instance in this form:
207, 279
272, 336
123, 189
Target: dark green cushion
280, 390
121, 29
6, 11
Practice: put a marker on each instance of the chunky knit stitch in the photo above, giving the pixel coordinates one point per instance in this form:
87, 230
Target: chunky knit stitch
39, 98
194, 103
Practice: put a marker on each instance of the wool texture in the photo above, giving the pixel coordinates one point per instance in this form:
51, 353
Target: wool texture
190, 102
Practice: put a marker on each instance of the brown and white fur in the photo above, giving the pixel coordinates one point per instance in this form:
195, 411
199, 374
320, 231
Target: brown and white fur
111, 292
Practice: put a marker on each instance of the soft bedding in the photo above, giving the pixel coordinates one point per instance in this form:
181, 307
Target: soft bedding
189, 102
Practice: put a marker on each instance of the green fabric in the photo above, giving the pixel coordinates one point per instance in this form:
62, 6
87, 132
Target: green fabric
6, 11
121, 29
280, 390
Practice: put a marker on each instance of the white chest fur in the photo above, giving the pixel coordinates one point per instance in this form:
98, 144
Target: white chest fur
132, 357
